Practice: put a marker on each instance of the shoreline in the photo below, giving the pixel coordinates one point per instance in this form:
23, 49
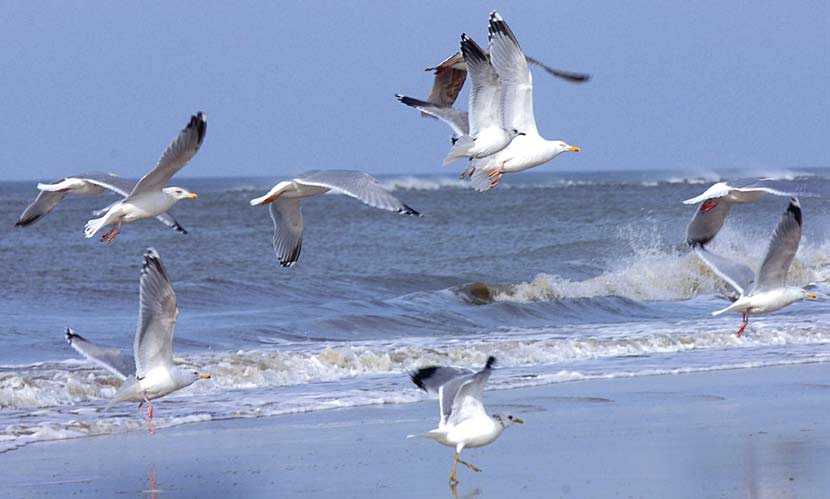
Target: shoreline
747, 432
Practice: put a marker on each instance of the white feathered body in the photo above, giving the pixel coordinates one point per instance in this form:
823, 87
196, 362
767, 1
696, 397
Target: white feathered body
765, 301
473, 432
524, 152
133, 208
157, 383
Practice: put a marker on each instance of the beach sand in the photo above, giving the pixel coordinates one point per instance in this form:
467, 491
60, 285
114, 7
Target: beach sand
760, 432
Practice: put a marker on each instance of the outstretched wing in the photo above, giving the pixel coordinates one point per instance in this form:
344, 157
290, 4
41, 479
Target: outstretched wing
449, 78
559, 73
707, 221
157, 316
359, 185
177, 154
782, 249
516, 82
456, 119
288, 230
737, 275
112, 359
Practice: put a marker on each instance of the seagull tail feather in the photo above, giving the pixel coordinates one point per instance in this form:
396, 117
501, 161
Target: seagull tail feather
459, 150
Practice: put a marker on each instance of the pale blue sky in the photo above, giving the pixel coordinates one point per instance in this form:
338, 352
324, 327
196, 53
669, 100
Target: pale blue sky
292, 86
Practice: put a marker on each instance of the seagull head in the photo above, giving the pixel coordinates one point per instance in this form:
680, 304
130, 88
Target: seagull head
178, 193
559, 147
515, 133
507, 420
197, 375
807, 294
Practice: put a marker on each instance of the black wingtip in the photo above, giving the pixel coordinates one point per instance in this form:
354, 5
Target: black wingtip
794, 208
199, 122
472, 52
491, 362
71, 335
179, 228
407, 210
418, 376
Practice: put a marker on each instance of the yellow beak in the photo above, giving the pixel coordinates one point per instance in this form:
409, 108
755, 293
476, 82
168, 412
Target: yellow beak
192, 196
519, 420
573, 149
812, 295
205, 376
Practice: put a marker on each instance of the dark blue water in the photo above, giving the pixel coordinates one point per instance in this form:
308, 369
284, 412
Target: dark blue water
561, 275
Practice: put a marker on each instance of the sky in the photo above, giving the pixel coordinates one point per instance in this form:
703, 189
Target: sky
290, 86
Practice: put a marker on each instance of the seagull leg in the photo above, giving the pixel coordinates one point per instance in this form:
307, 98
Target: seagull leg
743, 324
150, 416
109, 236
472, 467
453, 481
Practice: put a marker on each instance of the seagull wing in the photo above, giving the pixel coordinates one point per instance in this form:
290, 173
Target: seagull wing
431, 378
157, 317
46, 200
457, 120
288, 229
466, 402
782, 249
485, 94
565, 75
177, 154
112, 359
357, 184
449, 78
707, 221
737, 275
516, 82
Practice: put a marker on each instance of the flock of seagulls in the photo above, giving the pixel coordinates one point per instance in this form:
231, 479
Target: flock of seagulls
497, 135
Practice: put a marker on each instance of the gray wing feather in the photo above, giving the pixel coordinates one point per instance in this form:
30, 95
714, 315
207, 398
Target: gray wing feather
737, 275
449, 79
112, 359
177, 154
431, 378
157, 316
707, 221
359, 185
565, 75
288, 230
456, 119
43, 204
782, 249
516, 81
485, 92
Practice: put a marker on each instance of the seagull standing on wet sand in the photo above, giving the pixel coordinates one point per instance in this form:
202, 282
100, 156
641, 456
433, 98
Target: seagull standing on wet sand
149, 197
766, 291
464, 422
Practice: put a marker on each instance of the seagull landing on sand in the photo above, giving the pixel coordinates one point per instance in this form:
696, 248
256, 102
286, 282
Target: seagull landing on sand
463, 423
150, 373
84, 184
530, 149
284, 203
715, 204
765, 291
149, 197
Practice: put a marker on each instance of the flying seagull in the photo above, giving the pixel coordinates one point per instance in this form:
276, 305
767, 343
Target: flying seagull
464, 422
452, 71
524, 151
284, 203
483, 133
84, 184
150, 373
715, 204
150, 197
765, 291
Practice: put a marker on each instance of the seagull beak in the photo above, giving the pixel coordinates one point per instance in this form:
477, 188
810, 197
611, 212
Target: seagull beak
191, 195
812, 296
519, 420
573, 149
205, 376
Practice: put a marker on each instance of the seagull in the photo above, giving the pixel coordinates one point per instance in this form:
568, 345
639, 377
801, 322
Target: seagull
482, 133
284, 203
150, 373
765, 291
149, 197
530, 149
463, 423
452, 71
714, 207
84, 184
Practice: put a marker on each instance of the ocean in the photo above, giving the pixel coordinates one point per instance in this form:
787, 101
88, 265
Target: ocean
562, 276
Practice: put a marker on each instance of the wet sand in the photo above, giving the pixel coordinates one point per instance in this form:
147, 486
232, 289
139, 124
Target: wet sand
760, 432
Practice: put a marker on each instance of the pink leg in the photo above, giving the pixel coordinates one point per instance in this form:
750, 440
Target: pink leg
110, 236
743, 324
150, 418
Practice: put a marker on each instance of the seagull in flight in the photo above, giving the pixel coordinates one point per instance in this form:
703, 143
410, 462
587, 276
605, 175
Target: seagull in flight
765, 291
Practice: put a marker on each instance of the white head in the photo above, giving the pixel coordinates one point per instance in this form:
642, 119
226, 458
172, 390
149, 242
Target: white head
804, 293
559, 147
186, 377
514, 132
507, 420
178, 193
